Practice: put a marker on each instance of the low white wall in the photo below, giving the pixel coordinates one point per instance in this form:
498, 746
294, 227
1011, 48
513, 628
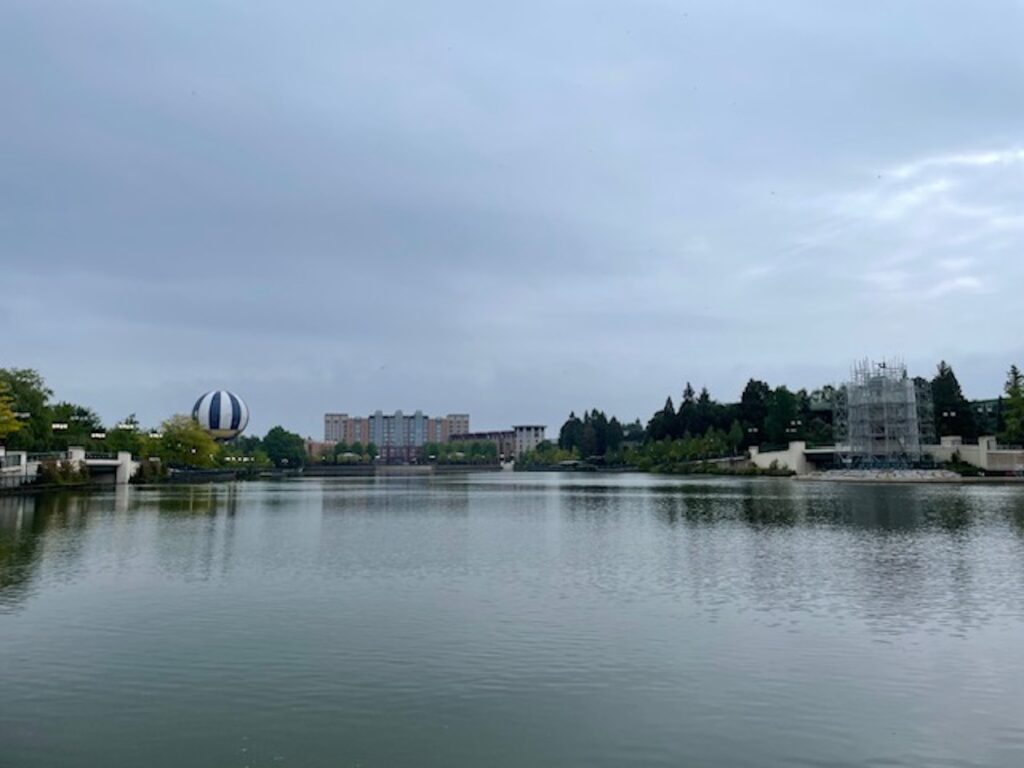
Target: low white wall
793, 458
985, 455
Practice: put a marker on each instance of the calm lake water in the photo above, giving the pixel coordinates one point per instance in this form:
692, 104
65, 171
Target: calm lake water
513, 620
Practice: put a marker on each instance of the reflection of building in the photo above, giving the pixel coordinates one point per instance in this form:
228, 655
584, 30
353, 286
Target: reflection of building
883, 417
528, 437
397, 436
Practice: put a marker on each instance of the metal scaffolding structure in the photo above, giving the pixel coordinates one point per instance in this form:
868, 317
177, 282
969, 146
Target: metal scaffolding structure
882, 417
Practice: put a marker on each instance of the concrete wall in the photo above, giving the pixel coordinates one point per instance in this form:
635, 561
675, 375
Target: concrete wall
792, 458
985, 455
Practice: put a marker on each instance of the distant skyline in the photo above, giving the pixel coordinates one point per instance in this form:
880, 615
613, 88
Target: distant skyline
512, 211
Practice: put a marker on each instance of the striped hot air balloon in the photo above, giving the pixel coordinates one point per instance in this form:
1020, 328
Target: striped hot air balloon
221, 413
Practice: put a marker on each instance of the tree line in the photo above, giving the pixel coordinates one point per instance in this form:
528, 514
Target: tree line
31, 421
765, 416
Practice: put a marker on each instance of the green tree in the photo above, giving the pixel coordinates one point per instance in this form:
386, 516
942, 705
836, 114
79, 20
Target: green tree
686, 418
78, 424
571, 434
546, 454
662, 423
736, 436
633, 433
183, 443
953, 414
1013, 408
780, 423
125, 436
753, 410
588, 444
615, 434
30, 396
8, 421
285, 449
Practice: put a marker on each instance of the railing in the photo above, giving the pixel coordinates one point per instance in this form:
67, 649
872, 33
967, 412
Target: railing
6, 462
100, 455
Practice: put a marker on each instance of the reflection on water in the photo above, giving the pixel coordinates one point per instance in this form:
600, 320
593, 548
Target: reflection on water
514, 620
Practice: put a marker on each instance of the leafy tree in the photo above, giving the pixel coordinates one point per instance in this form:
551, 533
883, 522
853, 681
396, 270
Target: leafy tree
247, 445
1014, 407
736, 435
686, 420
615, 435
340, 449
285, 449
953, 414
780, 423
125, 436
600, 424
753, 410
818, 431
461, 452
372, 451
183, 443
633, 433
589, 444
29, 395
8, 421
546, 454
79, 424
662, 423
571, 434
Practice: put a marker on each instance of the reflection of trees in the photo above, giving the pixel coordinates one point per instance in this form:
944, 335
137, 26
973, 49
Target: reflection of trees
1012, 508
769, 506
19, 548
589, 502
196, 529
26, 523
951, 511
669, 507
885, 507
395, 495
188, 500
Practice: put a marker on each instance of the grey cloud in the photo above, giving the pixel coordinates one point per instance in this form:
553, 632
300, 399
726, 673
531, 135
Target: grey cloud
516, 209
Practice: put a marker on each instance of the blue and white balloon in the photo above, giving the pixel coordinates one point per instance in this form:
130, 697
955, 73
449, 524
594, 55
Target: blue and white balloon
221, 413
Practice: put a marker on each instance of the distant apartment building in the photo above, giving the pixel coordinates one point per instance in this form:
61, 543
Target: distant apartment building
528, 437
398, 436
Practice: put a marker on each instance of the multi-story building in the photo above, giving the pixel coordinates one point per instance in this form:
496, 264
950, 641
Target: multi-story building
398, 436
505, 440
528, 437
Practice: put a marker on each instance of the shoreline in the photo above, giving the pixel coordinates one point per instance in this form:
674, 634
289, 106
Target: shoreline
912, 480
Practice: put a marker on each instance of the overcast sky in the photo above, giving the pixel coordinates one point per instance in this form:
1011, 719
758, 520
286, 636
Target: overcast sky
512, 209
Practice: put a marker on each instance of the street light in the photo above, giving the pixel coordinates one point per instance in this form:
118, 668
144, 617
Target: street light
59, 426
98, 435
